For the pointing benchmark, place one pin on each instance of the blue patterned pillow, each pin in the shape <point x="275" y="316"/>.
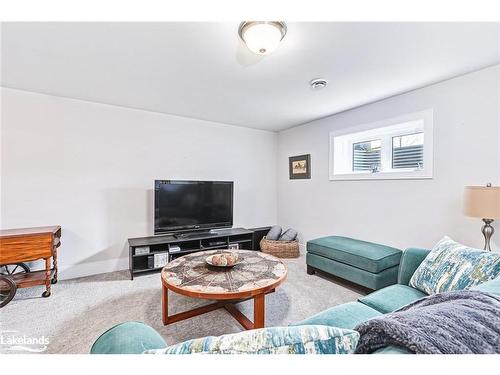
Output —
<point x="452" y="266"/>
<point x="275" y="340"/>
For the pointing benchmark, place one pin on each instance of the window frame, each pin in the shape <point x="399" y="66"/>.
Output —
<point x="422" y="121"/>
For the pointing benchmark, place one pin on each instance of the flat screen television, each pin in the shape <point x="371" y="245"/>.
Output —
<point x="192" y="205"/>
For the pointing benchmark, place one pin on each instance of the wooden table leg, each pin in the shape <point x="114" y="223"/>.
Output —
<point x="47" y="278"/>
<point x="258" y="310"/>
<point x="164" y="304"/>
<point x="239" y="316"/>
<point x="54" y="258"/>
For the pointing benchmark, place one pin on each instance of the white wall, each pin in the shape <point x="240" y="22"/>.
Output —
<point x="90" y="168"/>
<point x="401" y="213"/>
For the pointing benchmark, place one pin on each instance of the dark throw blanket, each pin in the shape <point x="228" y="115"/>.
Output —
<point x="445" y="323"/>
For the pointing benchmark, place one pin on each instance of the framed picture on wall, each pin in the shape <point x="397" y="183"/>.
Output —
<point x="299" y="167"/>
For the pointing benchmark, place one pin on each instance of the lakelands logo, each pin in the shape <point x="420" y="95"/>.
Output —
<point x="12" y="341"/>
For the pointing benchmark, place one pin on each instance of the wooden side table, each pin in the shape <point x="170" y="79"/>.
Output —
<point x="30" y="244"/>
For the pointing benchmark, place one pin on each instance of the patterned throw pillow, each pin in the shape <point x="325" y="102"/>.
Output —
<point x="275" y="340"/>
<point x="452" y="266"/>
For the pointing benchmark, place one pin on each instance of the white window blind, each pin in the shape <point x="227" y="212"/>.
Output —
<point x="408" y="151"/>
<point x="366" y="156"/>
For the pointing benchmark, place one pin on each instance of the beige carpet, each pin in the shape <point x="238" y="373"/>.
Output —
<point x="79" y="310"/>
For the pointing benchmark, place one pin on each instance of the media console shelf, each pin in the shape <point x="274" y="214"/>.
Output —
<point x="163" y="244"/>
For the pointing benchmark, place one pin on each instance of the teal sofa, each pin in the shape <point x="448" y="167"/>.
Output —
<point x="385" y="300"/>
<point x="379" y="302"/>
<point x="135" y="337"/>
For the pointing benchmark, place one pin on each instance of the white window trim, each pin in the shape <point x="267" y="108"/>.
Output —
<point x="426" y="173"/>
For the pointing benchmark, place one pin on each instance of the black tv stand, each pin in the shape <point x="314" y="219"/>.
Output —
<point x="189" y="242"/>
<point x="195" y="234"/>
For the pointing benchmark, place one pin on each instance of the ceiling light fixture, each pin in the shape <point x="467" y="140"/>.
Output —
<point x="262" y="37"/>
<point x="318" y="83"/>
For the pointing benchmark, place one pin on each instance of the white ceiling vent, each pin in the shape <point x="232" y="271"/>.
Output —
<point x="318" y="83"/>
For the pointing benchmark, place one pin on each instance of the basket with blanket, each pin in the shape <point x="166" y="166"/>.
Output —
<point x="281" y="244"/>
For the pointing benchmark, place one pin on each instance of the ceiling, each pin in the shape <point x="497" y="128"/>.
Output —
<point x="203" y="70"/>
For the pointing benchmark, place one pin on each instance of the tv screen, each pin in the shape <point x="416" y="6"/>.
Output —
<point x="186" y="205"/>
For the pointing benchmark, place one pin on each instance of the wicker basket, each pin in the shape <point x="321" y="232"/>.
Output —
<point x="280" y="249"/>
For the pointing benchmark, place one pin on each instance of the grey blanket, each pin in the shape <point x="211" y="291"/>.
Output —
<point x="444" y="323"/>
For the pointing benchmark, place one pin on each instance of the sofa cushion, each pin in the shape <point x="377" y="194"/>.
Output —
<point x="452" y="266"/>
<point x="492" y="286"/>
<point x="368" y="256"/>
<point x="392" y="350"/>
<point x="410" y="260"/>
<point x="347" y="315"/>
<point x="128" y="338"/>
<point x="309" y="339"/>
<point x="391" y="298"/>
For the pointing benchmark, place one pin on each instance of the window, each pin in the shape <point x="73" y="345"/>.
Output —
<point x="408" y="151"/>
<point x="390" y="149"/>
<point x="366" y="156"/>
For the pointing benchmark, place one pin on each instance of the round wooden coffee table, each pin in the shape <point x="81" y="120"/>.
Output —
<point x="256" y="275"/>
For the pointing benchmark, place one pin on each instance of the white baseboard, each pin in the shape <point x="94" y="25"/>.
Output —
<point x="92" y="268"/>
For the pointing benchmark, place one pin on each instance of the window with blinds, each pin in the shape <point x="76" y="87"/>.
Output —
<point x="366" y="156"/>
<point x="387" y="149"/>
<point x="408" y="151"/>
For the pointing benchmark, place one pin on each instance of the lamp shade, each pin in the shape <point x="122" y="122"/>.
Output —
<point x="482" y="201"/>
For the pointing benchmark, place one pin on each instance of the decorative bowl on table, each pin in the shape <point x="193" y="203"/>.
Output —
<point x="225" y="259"/>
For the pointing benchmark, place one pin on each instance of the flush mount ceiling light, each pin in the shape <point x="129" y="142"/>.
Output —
<point x="318" y="83"/>
<point x="262" y="37"/>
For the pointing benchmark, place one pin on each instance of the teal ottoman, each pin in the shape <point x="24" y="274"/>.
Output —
<point x="371" y="265"/>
